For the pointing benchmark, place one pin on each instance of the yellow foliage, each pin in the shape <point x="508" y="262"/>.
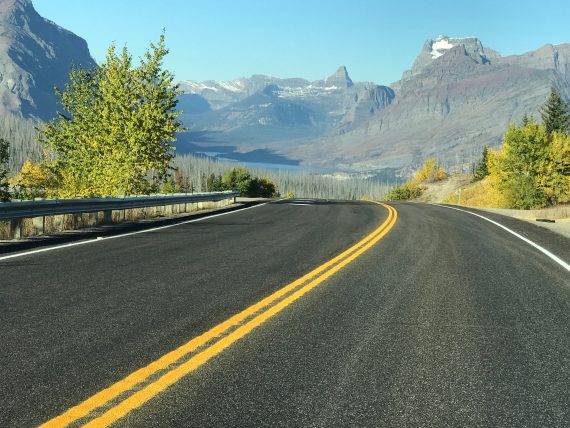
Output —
<point x="556" y="178"/>
<point x="481" y="194"/>
<point x="429" y="172"/>
<point x="31" y="175"/>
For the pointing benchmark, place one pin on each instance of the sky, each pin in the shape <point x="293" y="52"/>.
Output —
<point x="375" y="40"/>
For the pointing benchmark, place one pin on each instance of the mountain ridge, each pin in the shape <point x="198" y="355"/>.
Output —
<point x="458" y="96"/>
<point x="35" y="56"/>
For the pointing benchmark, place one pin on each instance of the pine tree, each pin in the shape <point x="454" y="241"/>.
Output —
<point x="554" y="113"/>
<point x="527" y="119"/>
<point x="482" y="169"/>
<point x="4" y="158"/>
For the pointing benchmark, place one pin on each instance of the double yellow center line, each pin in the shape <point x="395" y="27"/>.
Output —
<point x="111" y="403"/>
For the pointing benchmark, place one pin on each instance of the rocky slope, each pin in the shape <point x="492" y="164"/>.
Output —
<point x="35" y="55"/>
<point x="458" y="97"/>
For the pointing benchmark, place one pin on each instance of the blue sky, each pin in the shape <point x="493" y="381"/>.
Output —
<point x="376" y="40"/>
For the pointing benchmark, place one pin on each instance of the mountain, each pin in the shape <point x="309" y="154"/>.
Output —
<point x="457" y="97"/>
<point x="35" y="56"/>
<point x="264" y="112"/>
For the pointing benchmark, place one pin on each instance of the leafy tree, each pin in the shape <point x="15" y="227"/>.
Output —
<point x="4" y="158"/>
<point x="430" y="172"/>
<point x="482" y="169"/>
<point x="215" y="183"/>
<point x="405" y="191"/>
<point x="31" y="181"/>
<point x="262" y="188"/>
<point x="115" y="137"/>
<point x="521" y="192"/>
<point x="519" y="168"/>
<point x="238" y="179"/>
<point x="555" y="178"/>
<point x="554" y="113"/>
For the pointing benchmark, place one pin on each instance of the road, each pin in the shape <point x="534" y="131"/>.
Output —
<point x="435" y="318"/>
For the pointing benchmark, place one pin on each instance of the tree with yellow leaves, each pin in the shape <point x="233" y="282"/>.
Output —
<point x="31" y="181"/>
<point x="116" y="136"/>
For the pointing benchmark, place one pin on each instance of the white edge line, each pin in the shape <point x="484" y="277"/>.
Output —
<point x="122" y="235"/>
<point x="528" y="241"/>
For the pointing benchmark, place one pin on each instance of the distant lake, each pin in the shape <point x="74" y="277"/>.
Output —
<point x="267" y="165"/>
<point x="259" y="165"/>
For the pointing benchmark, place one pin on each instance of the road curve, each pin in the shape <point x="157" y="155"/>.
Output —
<point x="446" y="320"/>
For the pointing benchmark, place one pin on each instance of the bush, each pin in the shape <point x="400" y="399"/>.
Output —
<point x="481" y="194"/>
<point x="404" y="192"/>
<point x="240" y="180"/>
<point x="532" y="168"/>
<point x="237" y="179"/>
<point x="429" y="172"/>
<point x="521" y="192"/>
<point x="262" y="188"/>
<point x="31" y="182"/>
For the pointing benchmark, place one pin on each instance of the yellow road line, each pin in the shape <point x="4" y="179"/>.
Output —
<point x="167" y="379"/>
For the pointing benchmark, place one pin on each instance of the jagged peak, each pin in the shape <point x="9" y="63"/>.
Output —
<point x="340" y="77"/>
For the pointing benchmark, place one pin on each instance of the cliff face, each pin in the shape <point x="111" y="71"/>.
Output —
<point x="453" y="101"/>
<point x="35" y="56"/>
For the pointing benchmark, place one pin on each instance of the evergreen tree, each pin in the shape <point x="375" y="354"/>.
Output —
<point x="554" y="113"/>
<point x="115" y="137"/>
<point x="527" y="119"/>
<point x="4" y="158"/>
<point x="482" y="169"/>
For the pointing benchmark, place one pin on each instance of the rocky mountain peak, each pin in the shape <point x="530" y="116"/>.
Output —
<point x="434" y="49"/>
<point x="340" y="78"/>
<point x="35" y="56"/>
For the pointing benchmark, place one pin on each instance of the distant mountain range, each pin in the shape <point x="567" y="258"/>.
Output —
<point x="264" y="112"/>
<point x="457" y="97"/>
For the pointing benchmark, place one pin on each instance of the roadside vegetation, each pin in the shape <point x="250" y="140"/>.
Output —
<point x="116" y="136"/>
<point x="117" y="133"/>
<point x="4" y="158"/>
<point x="429" y="172"/>
<point x="530" y="170"/>
<point x="207" y="174"/>
<point x="532" y="167"/>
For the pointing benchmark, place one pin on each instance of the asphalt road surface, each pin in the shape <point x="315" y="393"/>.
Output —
<point x="434" y="318"/>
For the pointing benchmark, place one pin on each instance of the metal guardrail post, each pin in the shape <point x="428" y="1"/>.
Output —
<point x="28" y="218"/>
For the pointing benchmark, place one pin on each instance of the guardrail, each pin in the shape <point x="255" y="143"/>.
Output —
<point x="29" y="218"/>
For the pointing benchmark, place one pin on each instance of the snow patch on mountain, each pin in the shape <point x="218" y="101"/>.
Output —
<point x="441" y="44"/>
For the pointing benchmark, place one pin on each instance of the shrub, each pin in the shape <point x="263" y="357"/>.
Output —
<point x="31" y="182"/>
<point x="429" y="172"/>
<point x="404" y="192"/>
<point x="481" y="194"/>
<point x="262" y="188"/>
